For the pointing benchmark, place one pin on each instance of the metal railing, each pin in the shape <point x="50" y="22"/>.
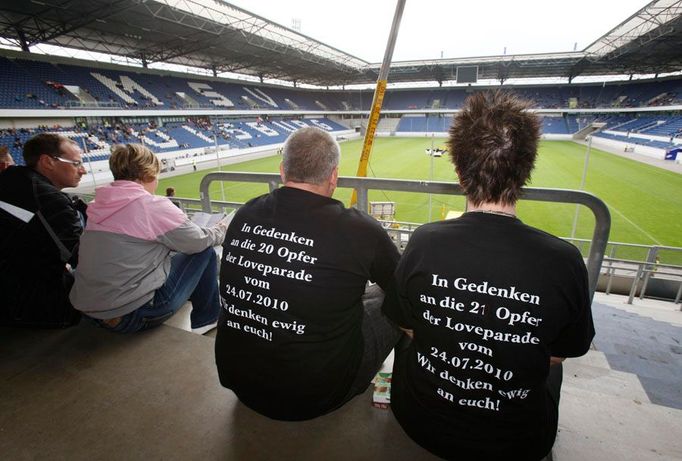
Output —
<point x="92" y="105"/>
<point x="601" y="213"/>
<point x="635" y="251"/>
<point x="644" y="271"/>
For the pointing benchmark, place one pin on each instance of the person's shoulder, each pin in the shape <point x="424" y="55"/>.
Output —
<point x="254" y="209"/>
<point x="161" y="205"/>
<point x="46" y="192"/>
<point x="254" y="203"/>
<point x="17" y="174"/>
<point x="357" y="218"/>
<point x="11" y="182"/>
<point x="433" y="229"/>
<point x="544" y="241"/>
<point x="26" y="174"/>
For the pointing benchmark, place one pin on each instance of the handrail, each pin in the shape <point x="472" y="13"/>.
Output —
<point x="624" y="244"/>
<point x="643" y="271"/>
<point x="599" y="209"/>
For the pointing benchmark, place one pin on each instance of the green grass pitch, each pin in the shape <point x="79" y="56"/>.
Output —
<point x="645" y="201"/>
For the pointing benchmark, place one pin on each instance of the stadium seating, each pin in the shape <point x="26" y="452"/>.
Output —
<point x="554" y="125"/>
<point x="614" y="121"/>
<point x="670" y="126"/>
<point x="424" y="123"/>
<point x="172" y="136"/>
<point x="24" y="85"/>
<point x="635" y="140"/>
<point x="37" y="84"/>
<point x="567" y="124"/>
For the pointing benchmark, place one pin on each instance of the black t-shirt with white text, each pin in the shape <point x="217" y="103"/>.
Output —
<point x="294" y="268"/>
<point x="490" y="300"/>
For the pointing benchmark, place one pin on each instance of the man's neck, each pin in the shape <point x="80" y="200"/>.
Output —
<point x="493" y="207"/>
<point x="319" y="189"/>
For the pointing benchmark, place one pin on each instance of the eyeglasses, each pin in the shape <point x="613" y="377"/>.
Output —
<point x="76" y="163"/>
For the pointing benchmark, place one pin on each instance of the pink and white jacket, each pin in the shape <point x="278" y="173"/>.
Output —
<point x="125" y="251"/>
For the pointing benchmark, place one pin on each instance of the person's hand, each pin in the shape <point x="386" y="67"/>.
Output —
<point x="409" y="333"/>
<point x="79" y="204"/>
<point x="223" y="224"/>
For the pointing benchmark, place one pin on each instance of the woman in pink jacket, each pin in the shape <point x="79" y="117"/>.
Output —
<point x="141" y="258"/>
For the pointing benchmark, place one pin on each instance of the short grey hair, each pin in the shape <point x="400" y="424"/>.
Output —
<point x="310" y="155"/>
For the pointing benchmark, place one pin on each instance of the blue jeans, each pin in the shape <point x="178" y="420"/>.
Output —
<point x="193" y="277"/>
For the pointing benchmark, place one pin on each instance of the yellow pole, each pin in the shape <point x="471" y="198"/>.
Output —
<point x="378" y="97"/>
<point x="371" y="128"/>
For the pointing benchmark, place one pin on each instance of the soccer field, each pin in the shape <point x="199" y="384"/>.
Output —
<point x="645" y="201"/>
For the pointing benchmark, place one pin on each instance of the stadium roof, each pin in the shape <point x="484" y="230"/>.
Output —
<point x="215" y="35"/>
<point x="198" y="33"/>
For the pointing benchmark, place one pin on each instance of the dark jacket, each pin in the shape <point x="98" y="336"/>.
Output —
<point x="34" y="281"/>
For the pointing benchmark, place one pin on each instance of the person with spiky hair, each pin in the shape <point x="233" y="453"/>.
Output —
<point x="492" y="305"/>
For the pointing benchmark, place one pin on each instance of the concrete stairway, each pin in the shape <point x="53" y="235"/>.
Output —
<point x="606" y="414"/>
<point x="85" y="393"/>
<point x="606" y="411"/>
<point x="624" y="400"/>
<point x="388" y="124"/>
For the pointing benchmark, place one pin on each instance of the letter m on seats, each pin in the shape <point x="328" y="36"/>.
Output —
<point x="125" y="87"/>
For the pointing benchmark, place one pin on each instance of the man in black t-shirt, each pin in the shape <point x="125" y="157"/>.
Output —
<point x="493" y="306"/>
<point x="294" y="338"/>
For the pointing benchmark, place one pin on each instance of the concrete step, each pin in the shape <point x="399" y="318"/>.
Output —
<point x="598" y="379"/>
<point x="607" y="414"/>
<point x="593" y="358"/>
<point x="663" y="391"/>
<point x="667" y="313"/>
<point x="84" y="393"/>
<point x="663" y="311"/>
<point x="594" y="425"/>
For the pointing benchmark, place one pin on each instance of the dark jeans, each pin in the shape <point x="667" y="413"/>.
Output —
<point x="379" y="334"/>
<point x="193" y="277"/>
<point x="554" y="380"/>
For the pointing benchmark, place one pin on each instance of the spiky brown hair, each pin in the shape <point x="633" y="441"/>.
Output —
<point x="493" y="145"/>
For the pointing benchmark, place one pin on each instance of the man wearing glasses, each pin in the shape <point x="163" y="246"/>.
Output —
<point x="39" y="232"/>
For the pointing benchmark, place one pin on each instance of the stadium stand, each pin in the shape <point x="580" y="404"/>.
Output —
<point x="554" y="125"/>
<point x="34" y="84"/>
<point x="37" y="84"/>
<point x="621" y="401"/>
<point x="424" y="123"/>
<point x="173" y="136"/>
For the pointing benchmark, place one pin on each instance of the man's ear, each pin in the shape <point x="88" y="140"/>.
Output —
<point x="333" y="179"/>
<point x="334" y="176"/>
<point x="281" y="172"/>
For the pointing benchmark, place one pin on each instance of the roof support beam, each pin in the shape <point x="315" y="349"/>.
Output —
<point x="22" y="41"/>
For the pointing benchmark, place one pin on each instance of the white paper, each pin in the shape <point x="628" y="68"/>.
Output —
<point x="202" y="219"/>
<point x="17" y="212"/>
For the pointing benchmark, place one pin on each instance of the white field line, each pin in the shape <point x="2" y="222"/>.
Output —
<point x="634" y="225"/>
<point x="233" y="186"/>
